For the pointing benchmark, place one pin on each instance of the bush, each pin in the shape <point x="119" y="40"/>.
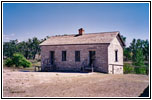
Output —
<point x="140" y="70"/>
<point x="8" y="62"/>
<point x="18" y="60"/>
<point x="26" y="63"/>
<point x="128" y="68"/>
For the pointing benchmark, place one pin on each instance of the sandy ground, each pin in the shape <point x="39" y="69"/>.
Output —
<point x="57" y="84"/>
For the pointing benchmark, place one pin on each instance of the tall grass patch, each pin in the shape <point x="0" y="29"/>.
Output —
<point x="131" y="69"/>
<point x="140" y="70"/>
<point x="128" y="68"/>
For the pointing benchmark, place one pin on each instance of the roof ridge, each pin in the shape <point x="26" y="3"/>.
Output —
<point x="85" y="33"/>
<point x="102" y="32"/>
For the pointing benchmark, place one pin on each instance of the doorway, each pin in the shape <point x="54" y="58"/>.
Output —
<point x="52" y="57"/>
<point x="91" y="57"/>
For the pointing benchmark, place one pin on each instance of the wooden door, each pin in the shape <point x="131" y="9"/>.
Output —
<point x="91" y="57"/>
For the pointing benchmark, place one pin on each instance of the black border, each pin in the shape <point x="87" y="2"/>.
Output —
<point x="78" y="97"/>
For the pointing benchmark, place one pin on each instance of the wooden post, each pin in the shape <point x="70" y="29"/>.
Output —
<point x="112" y="69"/>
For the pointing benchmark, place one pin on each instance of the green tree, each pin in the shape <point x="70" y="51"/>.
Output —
<point x="139" y="61"/>
<point x="127" y="50"/>
<point x="29" y="51"/>
<point x="127" y="54"/>
<point x="133" y="49"/>
<point x="9" y="48"/>
<point x="35" y="47"/>
<point x="23" y="48"/>
<point x="146" y="50"/>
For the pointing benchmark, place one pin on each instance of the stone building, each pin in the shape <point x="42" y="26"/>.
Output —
<point x="101" y="52"/>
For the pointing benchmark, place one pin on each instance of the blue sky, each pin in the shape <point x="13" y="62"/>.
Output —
<point x="26" y="20"/>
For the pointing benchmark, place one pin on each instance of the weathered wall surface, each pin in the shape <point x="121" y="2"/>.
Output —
<point x="115" y="45"/>
<point x="101" y="62"/>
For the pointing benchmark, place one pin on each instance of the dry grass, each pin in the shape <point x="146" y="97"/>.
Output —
<point x="52" y="84"/>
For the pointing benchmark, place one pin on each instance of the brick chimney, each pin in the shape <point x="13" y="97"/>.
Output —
<point x="81" y="31"/>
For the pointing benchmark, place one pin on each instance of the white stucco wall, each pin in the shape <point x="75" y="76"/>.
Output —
<point x="116" y="68"/>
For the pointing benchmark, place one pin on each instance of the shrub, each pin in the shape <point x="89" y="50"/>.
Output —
<point x="8" y="62"/>
<point x="140" y="70"/>
<point x="128" y="68"/>
<point x="26" y="63"/>
<point x="18" y="60"/>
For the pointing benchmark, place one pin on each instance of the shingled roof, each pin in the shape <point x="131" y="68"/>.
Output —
<point x="87" y="38"/>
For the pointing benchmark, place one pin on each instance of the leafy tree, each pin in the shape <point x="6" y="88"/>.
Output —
<point x="29" y="51"/>
<point x="127" y="54"/>
<point x="35" y="47"/>
<point x="29" y="48"/>
<point x="139" y="61"/>
<point x="133" y="49"/>
<point x="23" y="48"/>
<point x="143" y="45"/>
<point x="139" y="44"/>
<point x="127" y="50"/>
<point x="146" y="50"/>
<point x="9" y="48"/>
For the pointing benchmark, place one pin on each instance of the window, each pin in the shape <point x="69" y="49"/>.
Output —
<point x="116" y="55"/>
<point x="63" y="55"/>
<point x="77" y="55"/>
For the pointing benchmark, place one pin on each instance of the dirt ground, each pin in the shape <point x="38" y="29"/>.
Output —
<point x="59" y="84"/>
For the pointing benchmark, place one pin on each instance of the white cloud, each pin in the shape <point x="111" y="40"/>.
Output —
<point x="8" y="37"/>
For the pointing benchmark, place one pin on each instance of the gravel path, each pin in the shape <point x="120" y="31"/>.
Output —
<point x="53" y="84"/>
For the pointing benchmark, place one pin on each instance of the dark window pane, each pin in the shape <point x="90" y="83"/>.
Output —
<point x="116" y="55"/>
<point x="77" y="55"/>
<point x="52" y="57"/>
<point x="63" y="55"/>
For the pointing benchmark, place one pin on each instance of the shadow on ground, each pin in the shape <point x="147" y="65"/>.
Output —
<point x="55" y="71"/>
<point x="145" y="92"/>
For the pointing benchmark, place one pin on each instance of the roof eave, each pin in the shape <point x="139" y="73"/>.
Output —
<point x="121" y="40"/>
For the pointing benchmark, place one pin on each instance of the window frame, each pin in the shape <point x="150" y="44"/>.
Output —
<point x="77" y="56"/>
<point x="64" y="55"/>
<point x="116" y="55"/>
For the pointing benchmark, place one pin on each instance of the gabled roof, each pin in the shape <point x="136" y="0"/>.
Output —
<point x="87" y="38"/>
